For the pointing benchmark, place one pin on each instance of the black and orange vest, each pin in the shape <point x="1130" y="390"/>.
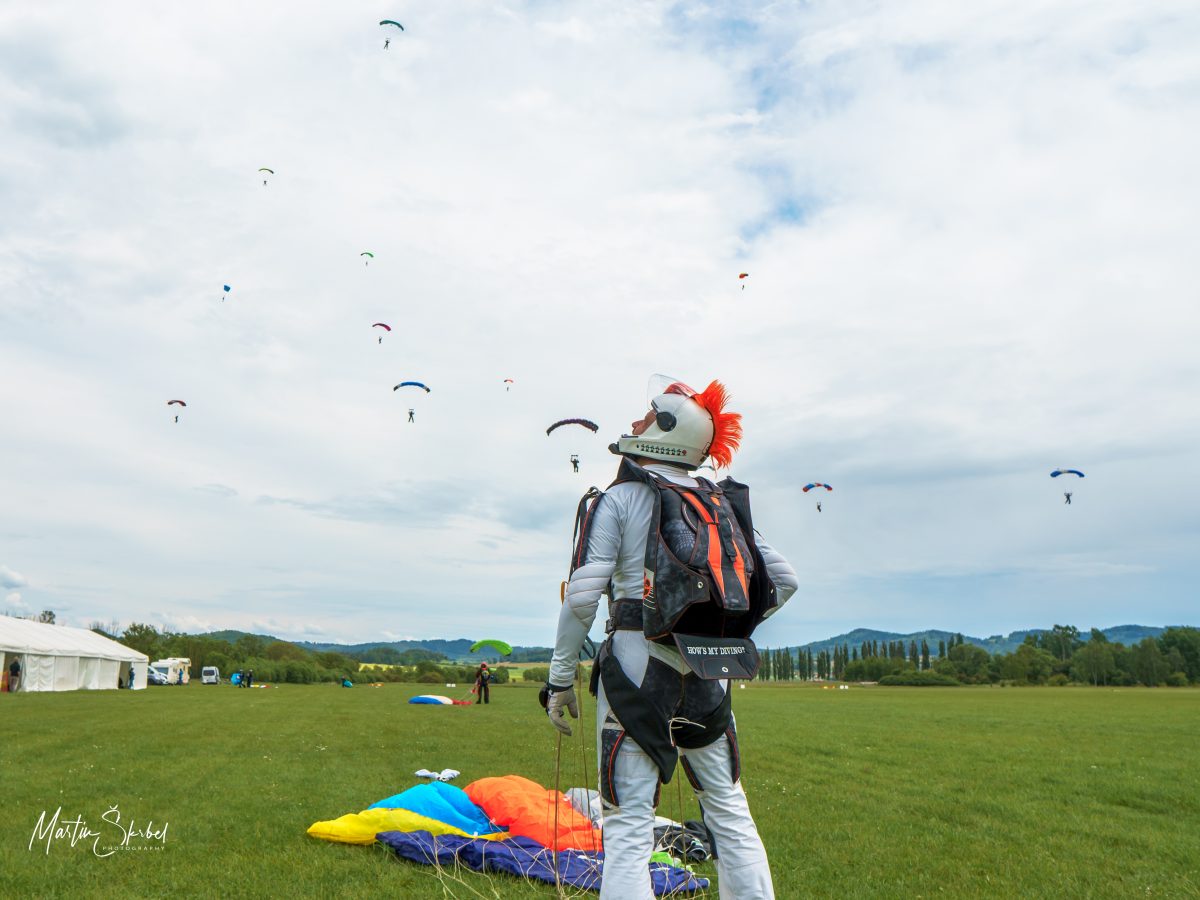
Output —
<point x="703" y="573"/>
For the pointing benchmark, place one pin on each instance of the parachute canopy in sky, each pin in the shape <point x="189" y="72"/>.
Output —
<point x="265" y="169"/>
<point x="1058" y="472"/>
<point x="382" y="325"/>
<point x="227" y="288"/>
<point x="499" y="646"/>
<point x="391" y="22"/>
<point x="180" y="402"/>
<point x="411" y="384"/>
<point x="589" y="425"/>
<point x="742" y="275"/>
<point x="816" y="484"/>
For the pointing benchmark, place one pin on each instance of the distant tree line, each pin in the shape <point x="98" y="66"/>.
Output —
<point x="1058" y="656"/>
<point x="282" y="661"/>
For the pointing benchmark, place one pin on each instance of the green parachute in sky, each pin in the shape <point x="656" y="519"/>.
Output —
<point x="499" y="646"/>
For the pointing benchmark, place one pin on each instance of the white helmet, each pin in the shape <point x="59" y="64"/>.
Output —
<point x="687" y="426"/>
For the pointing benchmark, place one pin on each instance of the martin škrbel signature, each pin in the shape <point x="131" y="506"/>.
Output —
<point x="113" y="835"/>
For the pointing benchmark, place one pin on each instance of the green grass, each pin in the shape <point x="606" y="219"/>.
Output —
<point x="871" y="792"/>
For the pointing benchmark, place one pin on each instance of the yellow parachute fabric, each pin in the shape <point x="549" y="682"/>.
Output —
<point x="361" y="828"/>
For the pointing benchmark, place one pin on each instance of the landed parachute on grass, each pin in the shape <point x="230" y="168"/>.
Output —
<point x="586" y="423"/>
<point x="437" y="700"/>
<point x="505" y="824"/>
<point x="416" y="384"/>
<point x="499" y="646"/>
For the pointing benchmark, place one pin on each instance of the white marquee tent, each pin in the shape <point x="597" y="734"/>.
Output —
<point x="58" y="658"/>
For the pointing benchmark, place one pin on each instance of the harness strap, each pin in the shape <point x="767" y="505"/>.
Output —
<point x="624" y="615"/>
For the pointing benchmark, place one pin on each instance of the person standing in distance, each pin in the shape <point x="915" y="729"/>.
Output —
<point x="688" y="579"/>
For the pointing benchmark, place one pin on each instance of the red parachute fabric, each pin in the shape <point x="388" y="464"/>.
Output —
<point x="527" y="809"/>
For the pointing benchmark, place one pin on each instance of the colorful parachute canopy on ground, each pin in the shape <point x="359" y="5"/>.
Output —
<point x="432" y="700"/>
<point x="383" y="325"/>
<point x="499" y="646"/>
<point x="361" y="828"/>
<point x="172" y="402"/>
<point x="816" y="484"/>
<point x="443" y="802"/>
<point x="527" y="809"/>
<point x="526" y="858"/>
<point x="1058" y="472"/>
<point x="391" y="22"/>
<point x="411" y="384"/>
<point x="437" y="823"/>
<point x="586" y="423"/>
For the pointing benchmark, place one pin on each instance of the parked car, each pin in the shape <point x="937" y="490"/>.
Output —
<point x="154" y="676"/>
<point x="210" y="675"/>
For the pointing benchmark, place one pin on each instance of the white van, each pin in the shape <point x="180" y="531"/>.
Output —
<point x="210" y="675"/>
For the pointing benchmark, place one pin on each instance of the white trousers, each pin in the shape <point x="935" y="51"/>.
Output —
<point x="742" y="869"/>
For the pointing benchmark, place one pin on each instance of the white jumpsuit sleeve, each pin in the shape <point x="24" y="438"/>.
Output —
<point x="584" y="589"/>
<point x="782" y="575"/>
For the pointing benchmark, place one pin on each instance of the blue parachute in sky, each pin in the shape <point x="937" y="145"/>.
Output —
<point x="1058" y="472"/>
<point x="816" y="484"/>
<point x="416" y="384"/>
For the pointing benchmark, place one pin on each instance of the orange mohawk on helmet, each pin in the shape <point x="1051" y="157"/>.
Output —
<point x="727" y="426"/>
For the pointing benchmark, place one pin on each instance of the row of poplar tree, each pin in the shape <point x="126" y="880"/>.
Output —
<point x="1057" y="656"/>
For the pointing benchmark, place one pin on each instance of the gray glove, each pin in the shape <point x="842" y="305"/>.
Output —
<point x="558" y="704"/>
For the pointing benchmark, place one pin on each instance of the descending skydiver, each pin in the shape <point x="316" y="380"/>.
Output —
<point x="1067" y="494"/>
<point x="818" y="506"/>
<point x="658" y="700"/>
<point x="386" y="43"/>
<point x="410" y="416"/>
<point x="575" y="462"/>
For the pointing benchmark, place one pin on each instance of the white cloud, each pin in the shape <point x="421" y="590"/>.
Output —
<point x="15" y="604"/>
<point x="11" y="579"/>
<point x="969" y="234"/>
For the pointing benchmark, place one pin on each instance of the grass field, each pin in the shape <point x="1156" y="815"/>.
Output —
<point x="870" y="792"/>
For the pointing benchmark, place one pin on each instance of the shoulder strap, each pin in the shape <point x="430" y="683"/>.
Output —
<point x="583" y="520"/>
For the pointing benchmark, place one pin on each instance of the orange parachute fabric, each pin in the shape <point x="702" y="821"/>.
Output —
<point x="528" y="810"/>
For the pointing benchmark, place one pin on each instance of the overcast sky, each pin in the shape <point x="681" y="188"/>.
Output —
<point x="971" y="232"/>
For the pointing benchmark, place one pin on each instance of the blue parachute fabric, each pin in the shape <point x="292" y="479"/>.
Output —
<point x="526" y="858"/>
<point x="427" y="699"/>
<point x="443" y="802"/>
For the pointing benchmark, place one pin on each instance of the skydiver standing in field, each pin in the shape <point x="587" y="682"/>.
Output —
<point x="661" y="695"/>
<point x="483" y="678"/>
